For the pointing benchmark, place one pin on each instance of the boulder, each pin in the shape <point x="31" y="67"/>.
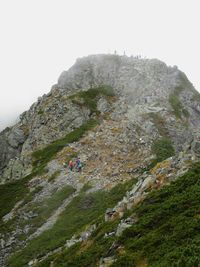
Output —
<point x="121" y="227"/>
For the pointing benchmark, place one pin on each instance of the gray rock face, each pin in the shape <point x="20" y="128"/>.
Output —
<point x="146" y="86"/>
<point x="127" y="75"/>
<point x="49" y="119"/>
<point x="11" y="141"/>
<point x="16" y="137"/>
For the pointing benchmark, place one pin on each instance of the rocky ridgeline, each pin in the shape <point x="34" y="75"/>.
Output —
<point x="162" y="174"/>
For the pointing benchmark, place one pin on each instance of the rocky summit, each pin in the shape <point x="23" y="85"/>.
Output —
<point x="130" y="128"/>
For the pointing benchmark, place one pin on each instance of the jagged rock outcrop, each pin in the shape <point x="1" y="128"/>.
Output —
<point x="49" y="119"/>
<point x="11" y="141"/>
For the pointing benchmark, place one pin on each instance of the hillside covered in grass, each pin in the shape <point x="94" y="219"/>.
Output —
<point x="167" y="232"/>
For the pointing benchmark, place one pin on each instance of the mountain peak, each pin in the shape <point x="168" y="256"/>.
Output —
<point x="132" y="76"/>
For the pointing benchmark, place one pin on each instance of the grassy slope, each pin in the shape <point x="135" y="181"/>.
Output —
<point x="86" y="254"/>
<point x="11" y="193"/>
<point x="167" y="233"/>
<point x="163" y="149"/>
<point x="84" y="209"/>
<point x="174" y="99"/>
<point x="45" y="208"/>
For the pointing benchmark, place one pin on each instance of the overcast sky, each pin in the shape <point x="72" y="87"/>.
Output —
<point x="41" y="38"/>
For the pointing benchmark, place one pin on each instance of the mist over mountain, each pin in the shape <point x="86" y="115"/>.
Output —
<point x="21" y="94"/>
<point x="104" y="169"/>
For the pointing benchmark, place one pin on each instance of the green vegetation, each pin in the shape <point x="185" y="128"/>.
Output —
<point x="175" y="102"/>
<point x="163" y="149"/>
<point x="45" y="208"/>
<point x="86" y="187"/>
<point x="185" y="83"/>
<point x="166" y="234"/>
<point x="88" y="254"/>
<point x="10" y="194"/>
<point x="53" y="177"/>
<point x="43" y="156"/>
<point x="177" y="106"/>
<point x="40" y="112"/>
<point x="90" y="97"/>
<point x="84" y="209"/>
<point x="29" y="197"/>
<point x="168" y="230"/>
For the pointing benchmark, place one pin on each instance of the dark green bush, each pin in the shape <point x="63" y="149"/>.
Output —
<point x="174" y="100"/>
<point x="176" y="105"/>
<point x="168" y="230"/>
<point x="10" y="194"/>
<point x="90" y="97"/>
<point x="163" y="149"/>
